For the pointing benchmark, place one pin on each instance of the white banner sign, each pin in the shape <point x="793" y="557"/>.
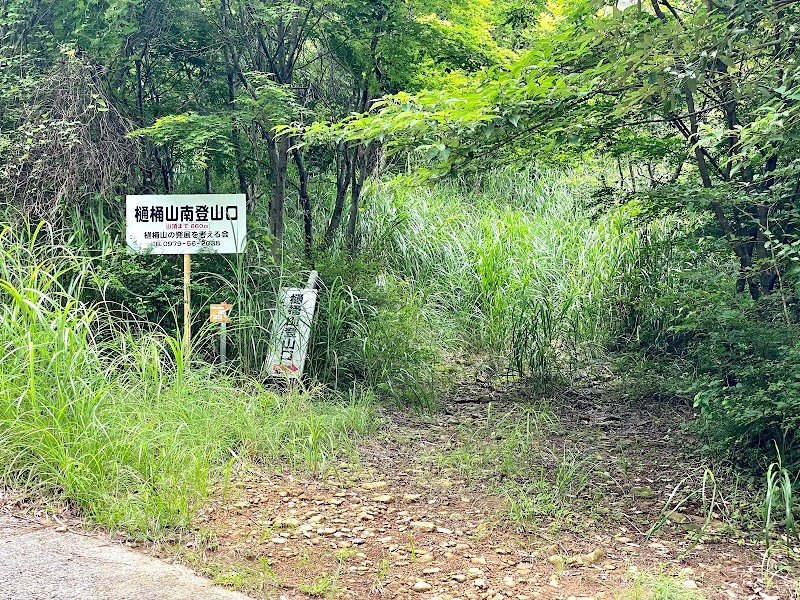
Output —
<point x="186" y="224"/>
<point x="291" y="331"/>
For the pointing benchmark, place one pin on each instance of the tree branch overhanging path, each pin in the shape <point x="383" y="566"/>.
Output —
<point x="637" y="69"/>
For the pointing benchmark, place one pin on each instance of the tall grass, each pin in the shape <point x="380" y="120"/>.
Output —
<point x="516" y="266"/>
<point x="120" y="425"/>
<point x="372" y="331"/>
<point x="779" y="498"/>
<point x="250" y="281"/>
<point x="520" y="268"/>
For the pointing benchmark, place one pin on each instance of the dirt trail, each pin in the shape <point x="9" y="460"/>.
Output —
<point x="428" y="512"/>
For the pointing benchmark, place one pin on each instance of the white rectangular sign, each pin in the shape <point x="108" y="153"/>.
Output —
<point x="186" y="224"/>
<point x="291" y="331"/>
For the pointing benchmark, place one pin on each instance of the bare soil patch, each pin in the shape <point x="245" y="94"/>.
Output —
<point x="428" y="512"/>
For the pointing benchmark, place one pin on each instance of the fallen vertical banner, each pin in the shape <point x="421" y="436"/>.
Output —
<point x="186" y="224"/>
<point x="291" y="330"/>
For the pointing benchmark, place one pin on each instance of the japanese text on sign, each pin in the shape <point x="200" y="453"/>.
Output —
<point x="186" y="224"/>
<point x="292" y="330"/>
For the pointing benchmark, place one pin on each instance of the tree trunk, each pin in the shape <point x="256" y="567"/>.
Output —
<point x="237" y="147"/>
<point x="360" y="163"/>
<point x="305" y="203"/>
<point x="740" y="248"/>
<point x="344" y="175"/>
<point x="278" y="149"/>
<point x="359" y="176"/>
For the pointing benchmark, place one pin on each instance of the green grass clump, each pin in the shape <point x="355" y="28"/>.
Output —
<point x="121" y="426"/>
<point x="779" y="501"/>
<point x="509" y="456"/>
<point x="651" y="586"/>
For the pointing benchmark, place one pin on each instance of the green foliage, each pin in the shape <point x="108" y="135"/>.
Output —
<point x="194" y="139"/>
<point x="735" y="356"/>
<point x="688" y="117"/>
<point x="747" y="386"/>
<point x="650" y="84"/>
<point x="520" y="270"/>
<point x="147" y="286"/>
<point x="779" y="497"/>
<point x="373" y="331"/>
<point x="126" y="428"/>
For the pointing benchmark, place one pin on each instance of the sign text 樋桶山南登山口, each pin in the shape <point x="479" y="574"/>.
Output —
<point x="186" y="224"/>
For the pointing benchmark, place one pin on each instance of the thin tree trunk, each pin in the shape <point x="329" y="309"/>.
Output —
<point x="359" y="176"/>
<point x="633" y="176"/>
<point x="677" y="172"/>
<point x="305" y="203"/>
<point x="760" y="249"/>
<point x="360" y="161"/>
<point x="139" y="93"/>
<point x="278" y="149"/>
<point x="739" y="248"/>
<point x="237" y="147"/>
<point x="621" y="174"/>
<point x="344" y="175"/>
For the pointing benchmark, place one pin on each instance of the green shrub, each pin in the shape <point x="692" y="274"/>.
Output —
<point x="372" y="329"/>
<point x="748" y="380"/>
<point x="149" y="287"/>
<point x="738" y="358"/>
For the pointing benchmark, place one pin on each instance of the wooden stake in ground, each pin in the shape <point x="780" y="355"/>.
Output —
<point x="187" y="298"/>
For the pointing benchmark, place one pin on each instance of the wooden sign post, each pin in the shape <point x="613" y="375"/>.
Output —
<point x="187" y="302"/>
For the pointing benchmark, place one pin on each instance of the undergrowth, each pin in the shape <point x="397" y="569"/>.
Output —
<point x="124" y="426"/>
<point x="660" y="586"/>
<point x="520" y="269"/>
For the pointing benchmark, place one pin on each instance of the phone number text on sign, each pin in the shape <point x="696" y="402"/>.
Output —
<point x="186" y="224"/>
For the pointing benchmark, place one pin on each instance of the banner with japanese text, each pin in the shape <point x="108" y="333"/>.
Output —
<point x="292" y="330"/>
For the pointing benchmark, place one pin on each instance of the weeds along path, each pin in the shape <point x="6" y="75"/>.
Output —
<point x="493" y="497"/>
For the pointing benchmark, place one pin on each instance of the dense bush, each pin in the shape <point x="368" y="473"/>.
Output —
<point x="373" y="329"/>
<point x="737" y="358"/>
<point x="149" y="287"/>
<point x="748" y="377"/>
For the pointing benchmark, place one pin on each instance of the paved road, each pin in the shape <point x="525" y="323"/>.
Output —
<point x="38" y="563"/>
